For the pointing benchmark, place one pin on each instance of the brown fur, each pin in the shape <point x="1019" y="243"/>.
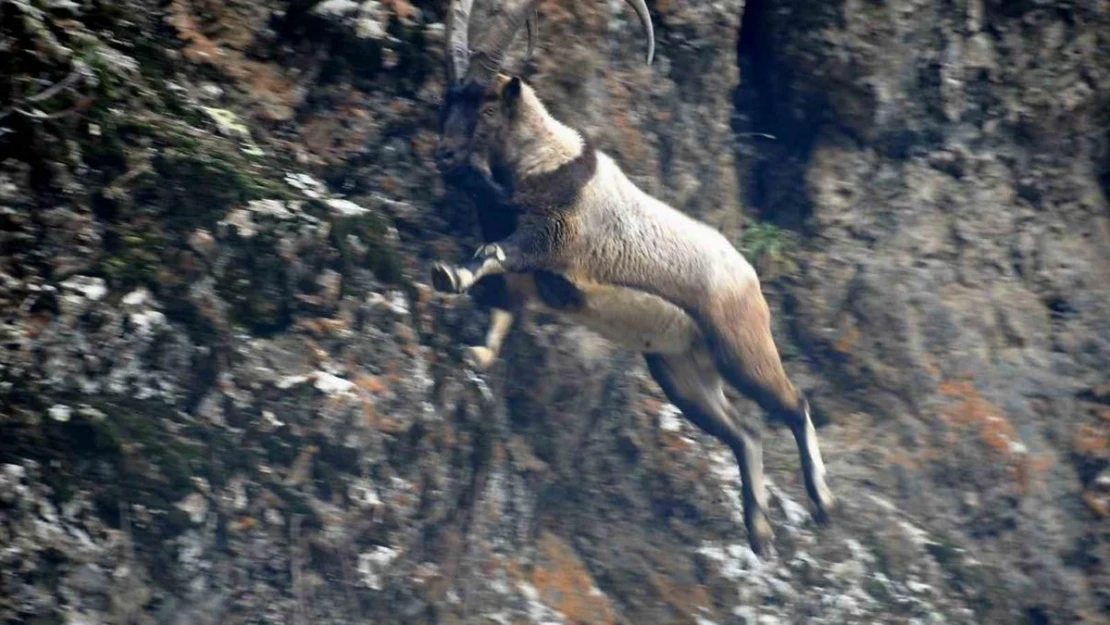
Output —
<point x="547" y="198"/>
<point x="646" y="275"/>
<point x="740" y="337"/>
<point x="556" y="191"/>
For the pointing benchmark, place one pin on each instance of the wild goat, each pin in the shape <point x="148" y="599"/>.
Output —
<point x="623" y="263"/>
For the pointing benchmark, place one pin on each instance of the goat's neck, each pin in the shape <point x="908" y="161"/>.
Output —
<point x="540" y="144"/>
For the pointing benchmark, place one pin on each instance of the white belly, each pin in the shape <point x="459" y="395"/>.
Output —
<point x="634" y="320"/>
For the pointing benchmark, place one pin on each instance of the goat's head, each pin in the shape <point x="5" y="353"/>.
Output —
<point x="480" y="98"/>
<point x="475" y="118"/>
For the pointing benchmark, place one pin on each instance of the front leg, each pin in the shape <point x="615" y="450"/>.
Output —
<point x="457" y="279"/>
<point x="505" y="256"/>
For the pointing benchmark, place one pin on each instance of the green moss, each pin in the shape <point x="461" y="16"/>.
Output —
<point x="136" y="260"/>
<point x="148" y="463"/>
<point x="769" y="248"/>
<point x="192" y="180"/>
<point x="109" y="85"/>
<point x="199" y="183"/>
<point x="194" y="174"/>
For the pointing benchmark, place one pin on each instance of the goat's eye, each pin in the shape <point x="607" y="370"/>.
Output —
<point x="488" y="112"/>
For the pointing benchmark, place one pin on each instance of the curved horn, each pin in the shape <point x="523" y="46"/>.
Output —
<point x="640" y="7"/>
<point x="457" y="39"/>
<point x="489" y="52"/>
<point x="532" y="25"/>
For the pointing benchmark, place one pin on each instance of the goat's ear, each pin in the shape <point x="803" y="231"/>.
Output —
<point x="511" y="93"/>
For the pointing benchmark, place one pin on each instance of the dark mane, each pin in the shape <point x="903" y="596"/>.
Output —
<point x="556" y="190"/>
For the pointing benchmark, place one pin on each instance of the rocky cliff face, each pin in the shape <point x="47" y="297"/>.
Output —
<point x="228" y="397"/>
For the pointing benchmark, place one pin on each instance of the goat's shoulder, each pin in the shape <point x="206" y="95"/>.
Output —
<point x="557" y="191"/>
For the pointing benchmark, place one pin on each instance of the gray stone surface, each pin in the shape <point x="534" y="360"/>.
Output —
<point x="228" y="397"/>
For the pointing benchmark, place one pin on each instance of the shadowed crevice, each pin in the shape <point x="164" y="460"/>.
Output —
<point x="776" y="122"/>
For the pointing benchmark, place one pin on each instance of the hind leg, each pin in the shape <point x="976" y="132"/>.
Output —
<point x="813" y="467"/>
<point x="738" y="328"/>
<point x="696" y="389"/>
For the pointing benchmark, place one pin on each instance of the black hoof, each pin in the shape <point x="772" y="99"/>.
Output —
<point x="756" y="547"/>
<point x="823" y="514"/>
<point x="761" y="538"/>
<point x="764" y="549"/>
<point x="445" y="279"/>
<point x="821" y="517"/>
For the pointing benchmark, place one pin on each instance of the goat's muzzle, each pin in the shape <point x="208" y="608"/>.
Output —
<point x="448" y="157"/>
<point x="453" y="146"/>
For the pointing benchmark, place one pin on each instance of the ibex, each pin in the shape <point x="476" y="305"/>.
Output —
<point x="638" y="271"/>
